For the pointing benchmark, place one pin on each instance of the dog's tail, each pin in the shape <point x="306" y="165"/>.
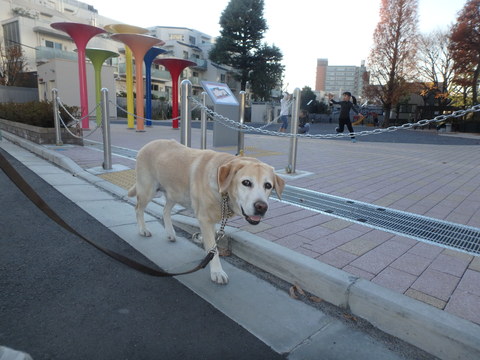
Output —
<point x="132" y="191"/>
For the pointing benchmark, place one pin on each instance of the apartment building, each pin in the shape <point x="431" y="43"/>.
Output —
<point x="27" y="23"/>
<point x="337" y="79"/>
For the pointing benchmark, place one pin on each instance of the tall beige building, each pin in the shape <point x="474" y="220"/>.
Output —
<point x="337" y="79"/>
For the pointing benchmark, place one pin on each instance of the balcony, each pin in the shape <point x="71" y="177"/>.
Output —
<point x="201" y="63"/>
<point x="43" y="54"/>
<point x="156" y="74"/>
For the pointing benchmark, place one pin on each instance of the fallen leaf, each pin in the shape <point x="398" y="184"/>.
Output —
<point x="299" y="289"/>
<point x="292" y="292"/>
<point x="315" y="299"/>
<point x="350" y="317"/>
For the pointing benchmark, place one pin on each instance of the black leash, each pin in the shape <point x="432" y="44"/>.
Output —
<point x="20" y="182"/>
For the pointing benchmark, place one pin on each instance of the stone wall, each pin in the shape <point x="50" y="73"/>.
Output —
<point x="40" y="135"/>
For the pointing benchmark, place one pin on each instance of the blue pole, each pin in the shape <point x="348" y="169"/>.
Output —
<point x="148" y="59"/>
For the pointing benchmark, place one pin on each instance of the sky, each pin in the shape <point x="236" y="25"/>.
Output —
<point x="304" y="30"/>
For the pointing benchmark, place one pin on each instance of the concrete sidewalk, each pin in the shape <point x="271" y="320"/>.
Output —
<point x="350" y="265"/>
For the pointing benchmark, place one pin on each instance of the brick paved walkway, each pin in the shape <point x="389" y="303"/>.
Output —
<point x="434" y="179"/>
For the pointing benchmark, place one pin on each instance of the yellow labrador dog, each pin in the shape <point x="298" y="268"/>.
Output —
<point x="197" y="179"/>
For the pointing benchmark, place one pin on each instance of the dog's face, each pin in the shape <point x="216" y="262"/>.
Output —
<point x="249" y="183"/>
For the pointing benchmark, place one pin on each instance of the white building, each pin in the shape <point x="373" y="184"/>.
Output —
<point x="336" y="79"/>
<point x="27" y="23"/>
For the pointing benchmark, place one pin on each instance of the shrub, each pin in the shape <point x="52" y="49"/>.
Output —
<point x="35" y="113"/>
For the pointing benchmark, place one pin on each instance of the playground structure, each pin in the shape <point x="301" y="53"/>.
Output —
<point x="127" y="29"/>
<point x="148" y="59"/>
<point x="81" y="34"/>
<point x="139" y="44"/>
<point x="175" y="67"/>
<point x="98" y="57"/>
<point x="144" y="50"/>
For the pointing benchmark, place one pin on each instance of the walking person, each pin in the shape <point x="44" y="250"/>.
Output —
<point x="348" y="103"/>
<point x="284" y="111"/>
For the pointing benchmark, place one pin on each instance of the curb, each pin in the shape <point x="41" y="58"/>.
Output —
<point x="435" y="331"/>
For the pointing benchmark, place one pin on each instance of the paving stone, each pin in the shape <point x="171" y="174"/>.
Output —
<point x="475" y="264"/>
<point x="337" y="224"/>
<point x="449" y="265"/>
<point x="458" y="254"/>
<point x="373" y="262"/>
<point x="293" y="241"/>
<point x="393" y="248"/>
<point x="394" y="279"/>
<point x="426" y="250"/>
<point x="337" y="258"/>
<point x="358" y="272"/>
<point x="431" y="300"/>
<point x="465" y="305"/>
<point x="334" y="240"/>
<point x="411" y="263"/>
<point x="436" y="284"/>
<point x="470" y="282"/>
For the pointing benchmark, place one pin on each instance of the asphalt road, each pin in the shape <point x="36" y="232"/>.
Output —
<point x="61" y="298"/>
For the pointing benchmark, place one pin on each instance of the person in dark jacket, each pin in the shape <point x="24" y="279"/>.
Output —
<point x="303" y="122"/>
<point x="349" y="103"/>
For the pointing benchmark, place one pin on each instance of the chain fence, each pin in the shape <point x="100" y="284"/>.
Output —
<point x="75" y="122"/>
<point x="139" y="117"/>
<point x="235" y="125"/>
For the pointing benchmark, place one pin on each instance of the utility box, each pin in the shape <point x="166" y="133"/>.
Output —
<point x="225" y="104"/>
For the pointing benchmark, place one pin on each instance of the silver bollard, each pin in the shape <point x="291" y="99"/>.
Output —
<point x="107" y="147"/>
<point x="186" y="114"/>
<point x="56" y="118"/>
<point x="292" y="159"/>
<point x="203" y="122"/>
<point x="241" y="137"/>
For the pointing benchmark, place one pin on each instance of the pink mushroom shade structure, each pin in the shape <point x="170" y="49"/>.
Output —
<point x="175" y="67"/>
<point x="81" y="35"/>
<point x="139" y="44"/>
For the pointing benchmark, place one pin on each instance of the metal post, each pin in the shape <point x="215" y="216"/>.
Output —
<point x="203" y="122"/>
<point x="292" y="159"/>
<point x="186" y="114"/>
<point x="56" y="118"/>
<point x="241" y="138"/>
<point x="107" y="148"/>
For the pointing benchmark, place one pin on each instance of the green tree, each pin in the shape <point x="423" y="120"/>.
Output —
<point x="267" y="71"/>
<point x="240" y="46"/>
<point x="308" y="97"/>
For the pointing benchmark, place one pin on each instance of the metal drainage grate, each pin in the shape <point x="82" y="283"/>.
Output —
<point x="422" y="228"/>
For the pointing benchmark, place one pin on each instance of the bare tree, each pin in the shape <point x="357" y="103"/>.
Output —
<point x="436" y="63"/>
<point x="391" y="63"/>
<point x="465" y="48"/>
<point x="12" y="65"/>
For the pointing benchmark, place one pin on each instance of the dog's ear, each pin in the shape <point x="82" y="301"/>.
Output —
<point x="279" y="185"/>
<point x="225" y="175"/>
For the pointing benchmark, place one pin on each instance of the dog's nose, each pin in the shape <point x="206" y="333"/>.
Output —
<point x="261" y="207"/>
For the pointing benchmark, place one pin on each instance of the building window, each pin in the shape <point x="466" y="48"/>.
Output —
<point x="11" y="34"/>
<point x="195" y="74"/>
<point x="185" y="54"/>
<point x="192" y="40"/>
<point x="53" y="45"/>
<point x="222" y="78"/>
<point x="154" y="87"/>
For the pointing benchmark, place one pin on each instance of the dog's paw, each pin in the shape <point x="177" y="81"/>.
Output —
<point x="171" y="238"/>
<point x="145" y="233"/>
<point x="219" y="277"/>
